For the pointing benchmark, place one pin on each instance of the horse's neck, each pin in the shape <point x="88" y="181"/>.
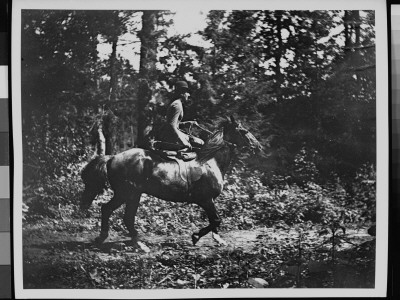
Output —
<point x="223" y="158"/>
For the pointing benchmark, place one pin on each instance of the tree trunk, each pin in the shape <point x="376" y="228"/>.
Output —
<point x="278" y="55"/>
<point x="347" y="31"/>
<point x="144" y="96"/>
<point x="101" y="142"/>
<point x="108" y="126"/>
<point x="113" y="75"/>
<point x="109" y="134"/>
<point x="357" y="25"/>
<point x="352" y="29"/>
<point x="147" y="74"/>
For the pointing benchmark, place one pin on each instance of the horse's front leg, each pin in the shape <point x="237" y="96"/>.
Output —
<point x="106" y="211"/>
<point x="214" y="220"/>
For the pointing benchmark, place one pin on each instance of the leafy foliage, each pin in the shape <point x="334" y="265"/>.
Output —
<point x="309" y="233"/>
<point x="53" y="196"/>
<point x="292" y="76"/>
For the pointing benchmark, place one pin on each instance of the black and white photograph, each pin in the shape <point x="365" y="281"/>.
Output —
<point x="192" y="149"/>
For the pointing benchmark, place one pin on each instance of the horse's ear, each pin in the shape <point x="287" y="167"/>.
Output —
<point x="232" y="119"/>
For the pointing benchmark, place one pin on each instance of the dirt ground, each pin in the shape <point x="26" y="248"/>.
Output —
<point x="54" y="249"/>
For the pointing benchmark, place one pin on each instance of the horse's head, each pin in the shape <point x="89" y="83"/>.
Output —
<point x="236" y="134"/>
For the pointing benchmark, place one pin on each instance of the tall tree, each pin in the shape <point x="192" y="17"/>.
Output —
<point x="111" y="25"/>
<point x="147" y="70"/>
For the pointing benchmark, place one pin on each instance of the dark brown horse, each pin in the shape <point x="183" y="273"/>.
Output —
<point x="138" y="171"/>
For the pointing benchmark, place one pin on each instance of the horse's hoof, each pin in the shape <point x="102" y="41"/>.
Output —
<point x="218" y="239"/>
<point x="195" y="238"/>
<point x="100" y="240"/>
<point x="143" y="247"/>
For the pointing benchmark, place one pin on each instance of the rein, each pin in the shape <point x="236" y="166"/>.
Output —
<point x="204" y="129"/>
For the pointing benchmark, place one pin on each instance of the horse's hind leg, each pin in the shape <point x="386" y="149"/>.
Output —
<point x="106" y="211"/>
<point x="214" y="220"/>
<point x="132" y="205"/>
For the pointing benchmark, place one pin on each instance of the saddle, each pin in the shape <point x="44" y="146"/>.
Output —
<point x="166" y="151"/>
<point x="181" y="157"/>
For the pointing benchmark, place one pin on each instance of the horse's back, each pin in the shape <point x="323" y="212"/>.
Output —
<point x="135" y="162"/>
<point x="127" y="156"/>
<point x="122" y="166"/>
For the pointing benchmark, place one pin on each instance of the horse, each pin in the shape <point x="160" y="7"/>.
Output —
<point x="136" y="171"/>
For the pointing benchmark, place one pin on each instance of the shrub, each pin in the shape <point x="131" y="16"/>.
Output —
<point x="46" y="195"/>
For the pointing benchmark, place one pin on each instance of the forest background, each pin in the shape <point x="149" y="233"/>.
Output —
<point x="303" y="82"/>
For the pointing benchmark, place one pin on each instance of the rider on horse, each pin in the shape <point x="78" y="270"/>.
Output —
<point x="170" y="135"/>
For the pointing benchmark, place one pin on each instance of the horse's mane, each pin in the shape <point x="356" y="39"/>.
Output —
<point x="214" y="143"/>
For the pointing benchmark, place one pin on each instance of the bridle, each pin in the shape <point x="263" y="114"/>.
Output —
<point x="242" y="131"/>
<point x="247" y="136"/>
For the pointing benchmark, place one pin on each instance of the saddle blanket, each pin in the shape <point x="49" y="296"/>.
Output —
<point x="188" y="174"/>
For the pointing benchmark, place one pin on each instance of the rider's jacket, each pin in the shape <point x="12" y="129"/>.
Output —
<point x="170" y="133"/>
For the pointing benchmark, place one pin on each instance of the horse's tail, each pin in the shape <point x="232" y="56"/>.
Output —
<point x="94" y="176"/>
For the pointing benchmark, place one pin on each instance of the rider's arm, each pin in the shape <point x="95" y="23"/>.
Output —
<point x="175" y="113"/>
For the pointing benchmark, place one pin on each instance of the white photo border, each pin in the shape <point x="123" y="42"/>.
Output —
<point x="382" y="199"/>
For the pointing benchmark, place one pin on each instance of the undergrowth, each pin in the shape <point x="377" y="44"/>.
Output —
<point x="308" y="246"/>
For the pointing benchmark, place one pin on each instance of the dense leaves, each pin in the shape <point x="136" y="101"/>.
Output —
<point x="303" y="80"/>
<point x="282" y="237"/>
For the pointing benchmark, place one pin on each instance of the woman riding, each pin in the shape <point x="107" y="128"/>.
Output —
<point x="171" y="136"/>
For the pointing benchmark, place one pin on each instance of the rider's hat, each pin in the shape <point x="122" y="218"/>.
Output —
<point x="181" y="85"/>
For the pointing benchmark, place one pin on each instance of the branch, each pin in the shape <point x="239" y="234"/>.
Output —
<point x="353" y="22"/>
<point x="362" y="68"/>
<point x="360" y="47"/>
<point x="128" y="43"/>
